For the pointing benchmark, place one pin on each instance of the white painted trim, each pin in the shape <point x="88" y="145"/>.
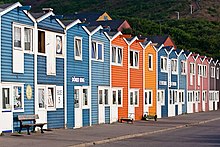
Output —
<point x="116" y="35"/>
<point x="72" y="24"/>
<point x="9" y="8"/>
<point x="134" y="39"/>
<point x="0" y="48"/>
<point x="96" y="30"/>
<point x="90" y="77"/>
<point x="77" y="57"/>
<point x="65" y="78"/>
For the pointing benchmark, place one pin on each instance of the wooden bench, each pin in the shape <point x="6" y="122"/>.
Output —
<point x="31" y="119"/>
<point x="127" y="119"/>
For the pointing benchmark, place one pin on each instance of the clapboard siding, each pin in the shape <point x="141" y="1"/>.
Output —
<point x="107" y="114"/>
<point x="86" y="117"/>
<point x="55" y="119"/>
<point x="163" y="76"/>
<point x="50" y="24"/>
<point x="182" y="82"/>
<point x="100" y="75"/>
<point x="7" y="74"/>
<point x="120" y="75"/>
<point x="78" y="68"/>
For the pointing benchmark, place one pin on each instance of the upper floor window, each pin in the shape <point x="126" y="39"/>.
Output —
<point x="200" y="70"/>
<point x="183" y="67"/>
<point x="28" y="33"/>
<point x="97" y="51"/>
<point x="192" y="68"/>
<point x="117" y="55"/>
<point x="217" y="73"/>
<point x="17" y="37"/>
<point x="78" y="48"/>
<point x="150" y="61"/>
<point x="134" y="58"/>
<point x="59" y="45"/>
<point x="212" y="71"/>
<point x="41" y="42"/>
<point x="174" y="65"/>
<point x="204" y="70"/>
<point x="163" y="63"/>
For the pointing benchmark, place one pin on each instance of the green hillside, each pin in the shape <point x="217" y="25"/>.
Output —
<point x="198" y="32"/>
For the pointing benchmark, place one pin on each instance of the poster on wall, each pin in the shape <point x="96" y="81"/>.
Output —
<point x="59" y="96"/>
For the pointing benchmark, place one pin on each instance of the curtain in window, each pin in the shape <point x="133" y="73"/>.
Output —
<point x="78" y="47"/>
<point x="119" y="55"/>
<point x="17" y="37"/>
<point x="93" y="50"/>
<point x="27" y="38"/>
<point x="41" y="98"/>
<point x="50" y="97"/>
<point x="113" y="54"/>
<point x="136" y="59"/>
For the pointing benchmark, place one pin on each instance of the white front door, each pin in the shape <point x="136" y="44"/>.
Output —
<point x="132" y="103"/>
<point x="190" y="102"/>
<point x="41" y="107"/>
<point x="180" y="102"/>
<point x="103" y="94"/>
<point x="203" y="100"/>
<point x="196" y="102"/>
<point x="171" y="103"/>
<point x="116" y="102"/>
<point x="146" y="101"/>
<point x="6" y="114"/>
<point x="160" y="102"/>
<point x="81" y="100"/>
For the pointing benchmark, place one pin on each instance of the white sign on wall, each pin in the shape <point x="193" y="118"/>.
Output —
<point x="78" y="79"/>
<point x="162" y="82"/>
<point x="173" y="83"/>
<point x="59" y="96"/>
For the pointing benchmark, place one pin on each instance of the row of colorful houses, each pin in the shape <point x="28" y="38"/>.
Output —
<point x="73" y="74"/>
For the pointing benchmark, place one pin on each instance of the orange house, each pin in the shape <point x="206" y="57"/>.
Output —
<point x="150" y="78"/>
<point x="135" y="76"/>
<point x="119" y="76"/>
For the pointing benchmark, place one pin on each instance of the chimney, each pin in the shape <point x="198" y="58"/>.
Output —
<point x="46" y="10"/>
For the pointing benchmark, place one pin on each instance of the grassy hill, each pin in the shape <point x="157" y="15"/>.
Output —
<point x="198" y="32"/>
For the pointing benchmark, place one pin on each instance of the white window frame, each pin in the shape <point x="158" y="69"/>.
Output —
<point x="150" y="66"/>
<point x="51" y="108"/>
<point x="204" y="71"/>
<point x="161" y="97"/>
<point x="45" y="35"/>
<point x="212" y="72"/>
<point x="134" y="61"/>
<point x="204" y="96"/>
<point x="183" y="67"/>
<point x="11" y="97"/>
<point x="200" y="70"/>
<point x="148" y="97"/>
<point x="174" y="67"/>
<point x="217" y="73"/>
<point x="103" y="88"/>
<point x="134" y="91"/>
<point x="192" y="68"/>
<point x="165" y="65"/>
<point x="117" y="48"/>
<point x="62" y="46"/>
<point x="97" y="43"/>
<point x="117" y="91"/>
<point x="31" y="51"/>
<point x="75" y="56"/>
<point x="21" y="35"/>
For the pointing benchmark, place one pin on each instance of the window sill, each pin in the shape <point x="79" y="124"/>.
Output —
<point x="51" y="109"/>
<point x="97" y="60"/>
<point x="78" y="58"/>
<point x="134" y="67"/>
<point x="115" y="64"/>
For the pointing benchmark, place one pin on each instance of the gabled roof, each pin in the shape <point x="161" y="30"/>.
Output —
<point x="37" y="15"/>
<point x="168" y="48"/>
<point x="113" y="24"/>
<point x="158" y="39"/>
<point x="91" y="28"/>
<point x="89" y="16"/>
<point x="67" y="22"/>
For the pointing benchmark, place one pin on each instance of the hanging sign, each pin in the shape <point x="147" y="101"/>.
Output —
<point x="28" y="92"/>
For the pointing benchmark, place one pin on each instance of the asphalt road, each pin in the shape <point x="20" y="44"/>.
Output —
<point x="194" y="136"/>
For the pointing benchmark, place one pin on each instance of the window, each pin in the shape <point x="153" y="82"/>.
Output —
<point x="150" y="61"/>
<point x="100" y="97"/>
<point x="200" y="70"/>
<point x="204" y="97"/>
<point x="51" y="98"/>
<point x="18" y="97"/>
<point x="59" y="45"/>
<point x="175" y="96"/>
<point x="160" y="97"/>
<point x="148" y="97"/>
<point x="217" y="73"/>
<point x="204" y="70"/>
<point x="103" y="94"/>
<point x="192" y="68"/>
<point x="134" y="59"/>
<point x="116" y="55"/>
<point x="171" y="97"/>
<point x="85" y="97"/>
<point x="78" y="48"/>
<point x="6" y="103"/>
<point x="41" y="42"/>
<point x="28" y="33"/>
<point x="212" y="71"/>
<point x="163" y="64"/>
<point x="106" y="97"/>
<point x="41" y="98"/>
<point x="183" y="67"/>
<point x="117" y="96"/>
<point x="17" y="37"/>
<point x="174" y="66"/>
<point x="134" y="98"/>
<point x="97" y="51"/>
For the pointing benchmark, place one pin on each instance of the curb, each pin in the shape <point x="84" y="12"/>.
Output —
<point x="142" y="134"/>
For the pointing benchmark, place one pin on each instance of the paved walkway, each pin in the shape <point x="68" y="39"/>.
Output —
<point x="99" y="134"/>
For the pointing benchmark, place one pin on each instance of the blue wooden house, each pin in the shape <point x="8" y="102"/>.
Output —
<point x="182" y="82"/>
<point x="17" y="65"/>
<point x="100" y="75"/>
<point x="164" y="81"/>
<point x="50" y="60"/>
<point x="77" y="75"/>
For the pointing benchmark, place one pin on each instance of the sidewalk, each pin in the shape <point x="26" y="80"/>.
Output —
<point x="106" y="132"/>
